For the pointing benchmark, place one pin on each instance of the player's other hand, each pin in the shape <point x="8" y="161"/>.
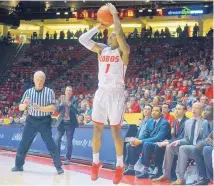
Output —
<point x="112" y="8"/>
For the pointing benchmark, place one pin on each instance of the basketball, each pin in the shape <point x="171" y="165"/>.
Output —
<point x="104" y="16"/>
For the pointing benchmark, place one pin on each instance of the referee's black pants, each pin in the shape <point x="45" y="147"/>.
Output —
<point x="34" y="125"/>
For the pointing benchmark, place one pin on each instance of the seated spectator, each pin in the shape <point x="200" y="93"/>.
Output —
<point x="204" y="101"/>
<point x="186" y="147"/>
<point x="167" y="116"/>
<point x="164" y="147"/>
<point x="179" y="86"/>
<point x="157" y="129"/>
<point x="168" y="82"/>
<point x="88" y="109"/>
<point x="204" y="72"/>
<point x="209" y="90"/>
<point x="210" y="77"/>
<point x="22" y="120"/>
<point x="134" y="106"/>
<point x="156" y="101"/>
<point x="153" y="90"/>
<point x="17" y="120"/>
<point x="82" y="109"/>
<point x="203" y="156"/>
<point x="88" y="120"/>
<point x="80" y="120"/>
<point x="191" y="87"/>
<point x="1" y="115"/>
<point x="159" y="90"/>
<point x="181" y="98"/>
<point x="11" y="121"/>
<point x="168" y="97"/>
<point x="174" y="99"/>
<point x="130" y="158"/>
<point x="184" y="88"/>
<point x="147" y="97"/>
<point x="5" y="111"/>
<point x="192" y="99"/>
<point x="201" y="92"/>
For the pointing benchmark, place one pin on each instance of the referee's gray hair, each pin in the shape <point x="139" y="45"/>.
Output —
<point x="69" y="87"/>
<point x="39" y="73"/>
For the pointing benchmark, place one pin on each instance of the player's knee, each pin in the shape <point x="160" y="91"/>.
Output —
<point x="116" y="133"/>
<point x="98" y="129"/>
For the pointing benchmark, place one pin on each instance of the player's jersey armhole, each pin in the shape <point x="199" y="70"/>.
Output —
<point x="120" y="56"/>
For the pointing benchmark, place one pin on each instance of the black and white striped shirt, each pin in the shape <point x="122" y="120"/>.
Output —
<point x="42" y="98"/>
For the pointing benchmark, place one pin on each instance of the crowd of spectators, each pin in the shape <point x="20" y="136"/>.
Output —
<point x="155" y="149"/>
<point x="166" y="33"/>
<point x="161" y="71"/>
<point x="71" y="35"/>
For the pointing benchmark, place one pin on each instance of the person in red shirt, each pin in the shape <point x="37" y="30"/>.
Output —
<point x="179" y="86"/>
<point x="209" y="90"/>
<point x="178" y="73"/>
<point x="1" y="115"/>
<point x="184" y="88"/>
<point x="165" y="111"/>
<point x="168" y="98"/>
<point x="168" y="82"/>
<point x="11" y="97"/>
<point x="134" y="106"/>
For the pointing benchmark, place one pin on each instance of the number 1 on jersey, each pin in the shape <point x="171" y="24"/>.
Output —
<point x="107" y="68"/>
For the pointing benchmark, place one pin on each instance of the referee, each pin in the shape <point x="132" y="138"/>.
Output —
<point x="40" y="103"/>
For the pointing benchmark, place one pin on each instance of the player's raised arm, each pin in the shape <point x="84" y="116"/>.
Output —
<point x="86" y="40"/>
<point x="124" y="47"/>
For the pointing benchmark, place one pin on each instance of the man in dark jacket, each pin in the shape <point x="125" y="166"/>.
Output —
<point x="157" y="130"/>
<point x="178" y="133"/>
<point x="131" y="159"/>
<point x="67" y="121"/>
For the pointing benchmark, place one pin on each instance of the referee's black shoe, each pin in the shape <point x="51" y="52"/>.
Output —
<point x="17" y="169"/>
<point x="60" y="170"/>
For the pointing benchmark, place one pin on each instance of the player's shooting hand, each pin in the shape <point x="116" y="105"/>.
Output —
<point x="112" y="8"/>
<point x="101" y="26"/>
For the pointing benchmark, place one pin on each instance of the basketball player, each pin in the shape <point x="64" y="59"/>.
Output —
<point x="109" y="98"/>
